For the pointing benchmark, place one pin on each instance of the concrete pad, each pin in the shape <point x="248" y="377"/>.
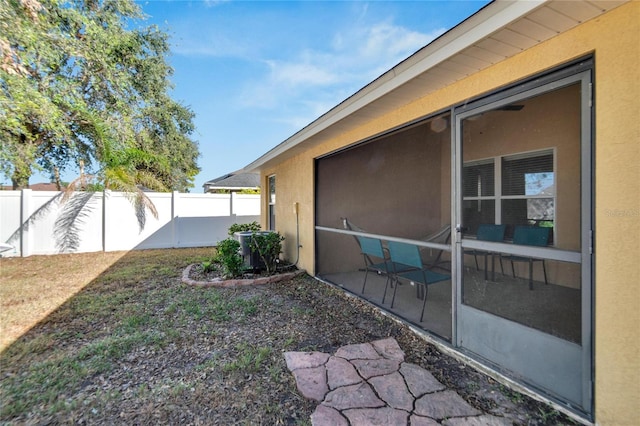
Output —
<point x="354" y="396"/>
<point x="312" y="382"/>
<point x="393" y="390"/>
<point x="444" y="405"/>
<point x="327" y="416"/>
<point x="389" y="349"/>
<point x="376" y="416"/>
<point x="341" y="372"/>
<point x="297" y="360"/>
<point x="419" y="380"/>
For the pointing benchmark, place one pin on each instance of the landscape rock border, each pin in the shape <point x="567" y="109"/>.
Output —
<point x="238" y="282"/>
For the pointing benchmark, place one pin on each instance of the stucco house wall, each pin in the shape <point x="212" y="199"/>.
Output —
<point x="614" y="41"/>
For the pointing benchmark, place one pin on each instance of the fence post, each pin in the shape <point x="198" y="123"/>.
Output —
<point x="105" y="194"/>
<point x="175" y="237"/>
<point x="25" y="214"/>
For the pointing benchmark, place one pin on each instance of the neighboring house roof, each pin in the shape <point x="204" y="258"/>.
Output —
<point x="498" y="31"/>
<point x="233" y="182"/>
<point x="49" y="186"/>
<point x="43" y="186"/>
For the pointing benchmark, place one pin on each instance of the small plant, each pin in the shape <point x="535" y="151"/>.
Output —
<point x="268" y="245"/>
<point x="229" y="257"/>
<point x="244" y="227"/>
<point x="208" y="266"/>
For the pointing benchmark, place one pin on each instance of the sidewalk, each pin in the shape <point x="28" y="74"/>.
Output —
<point x="370" y="384"/>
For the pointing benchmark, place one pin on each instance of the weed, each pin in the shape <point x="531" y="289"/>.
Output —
<point x="301" y="311"/>
<point x="211" y="363"/>
<point x="208" y="266"/>
<point x="472" y="387"/>
<point x="133" y="323"/>
<point x="249" y="360"/>
<point x="515" y="397"/>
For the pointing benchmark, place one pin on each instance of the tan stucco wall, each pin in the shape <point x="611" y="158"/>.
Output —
<point x="614" y="39"/>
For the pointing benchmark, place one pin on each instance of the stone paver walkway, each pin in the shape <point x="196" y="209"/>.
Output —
<point x="371" y="384"/>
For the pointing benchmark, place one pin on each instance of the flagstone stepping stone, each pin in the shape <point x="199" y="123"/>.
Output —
<point x="444" y="405"/>
<point x="393" y="390"/>
<point x="372" y="417"/>
<point x="359" y="351"/>
<point x="354" y="396"/>
<point x="341" y="372"/>
<point x="422" y="421"/>
<point x="375" y="367"/>
<point x="389" y="349"/>
<point x="486" y="420"/>
<point x="312" y="382"/>
<point x="296" y="360"/>
<point x="419" y="380"/>
<point x="370" y="384"/>
<point x="327" y="416"/>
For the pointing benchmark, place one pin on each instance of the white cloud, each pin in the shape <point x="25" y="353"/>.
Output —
<point x="291" y="74"/>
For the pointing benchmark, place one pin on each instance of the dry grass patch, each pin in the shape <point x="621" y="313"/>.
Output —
<point x="35" y="286"/>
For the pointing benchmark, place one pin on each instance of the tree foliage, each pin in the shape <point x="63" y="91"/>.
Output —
<point x="83" y="82"/>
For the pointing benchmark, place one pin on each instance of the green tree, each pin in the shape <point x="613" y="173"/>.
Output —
<point x="83" y="82"/>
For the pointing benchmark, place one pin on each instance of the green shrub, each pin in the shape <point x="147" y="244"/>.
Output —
<point x="244" y="227"/>
<point x="268" y="246"/>
<point x="229" y="258"/>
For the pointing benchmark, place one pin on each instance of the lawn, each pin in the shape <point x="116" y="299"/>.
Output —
<point x="117" y="338"/>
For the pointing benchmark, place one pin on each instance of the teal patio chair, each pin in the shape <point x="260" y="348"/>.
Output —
<point x="433" y="257"/>
<point x="374" y="259"/>
<point x="406" y="264"/>
<point x="487" y="232"/>
<point x="529" y="236"/>
<point x="434" y="260"/>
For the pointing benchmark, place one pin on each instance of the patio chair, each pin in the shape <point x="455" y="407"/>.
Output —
<point x="529" y="236"/>
<point x="487" y="232"/>
<point x="348" y="225"/>
<point x="408" y="256"/>
<point x="434" y="260"/>
<point x="371" y="248"/>
<point x="375" y="256"/>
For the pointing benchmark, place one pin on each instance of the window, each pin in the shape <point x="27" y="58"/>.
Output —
<point x="512" y="190"/>
<point x="272" y="202"/>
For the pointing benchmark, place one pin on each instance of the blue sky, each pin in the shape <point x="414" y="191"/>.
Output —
<point x="256" y="72"/>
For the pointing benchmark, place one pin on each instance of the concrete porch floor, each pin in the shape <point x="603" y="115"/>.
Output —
<point x="550" y="308"/>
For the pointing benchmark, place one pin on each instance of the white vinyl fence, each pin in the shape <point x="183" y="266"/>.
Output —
<point x="33" y="222"/>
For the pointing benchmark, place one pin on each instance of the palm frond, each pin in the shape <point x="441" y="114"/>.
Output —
<point x="39" y="213"/>
<point x="66" y="230"/>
